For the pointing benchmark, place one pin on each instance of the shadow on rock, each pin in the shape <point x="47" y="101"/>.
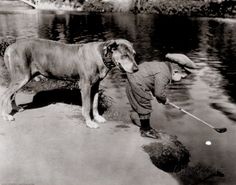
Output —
<point x="168" y="154"/>
<point x="44" y="98"/>
<point x="68" y="96"/>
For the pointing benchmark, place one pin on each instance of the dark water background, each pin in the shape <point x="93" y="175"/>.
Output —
<point x="209" y="94"/>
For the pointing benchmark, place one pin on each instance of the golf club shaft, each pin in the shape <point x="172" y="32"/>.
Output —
<point x="186" y="112"/>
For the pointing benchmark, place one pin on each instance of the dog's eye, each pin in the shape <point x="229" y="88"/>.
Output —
<point x="124" y="56"/>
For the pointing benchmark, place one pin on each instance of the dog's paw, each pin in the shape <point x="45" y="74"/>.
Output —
<point x="8" y="117"/>
<point x="21" y="109"/>
<point x="99" y="119"/>
<point x="92" y="124"/>
<point x="18" y="109"/>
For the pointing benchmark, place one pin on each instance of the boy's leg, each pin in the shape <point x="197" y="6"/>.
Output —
<point x="142" y="106"/>
<point x="145" y="122"/>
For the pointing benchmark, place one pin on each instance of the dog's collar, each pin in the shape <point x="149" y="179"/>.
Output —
<point x="107" y="58"/>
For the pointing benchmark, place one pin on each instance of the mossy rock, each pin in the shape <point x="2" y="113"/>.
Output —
<point x="168" y="154"/>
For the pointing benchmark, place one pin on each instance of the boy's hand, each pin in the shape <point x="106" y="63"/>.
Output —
<point x="163" y="100"/>
<point x="167" y="101"/>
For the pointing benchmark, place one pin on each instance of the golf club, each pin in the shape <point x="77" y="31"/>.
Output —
<point x="219" y="130"/>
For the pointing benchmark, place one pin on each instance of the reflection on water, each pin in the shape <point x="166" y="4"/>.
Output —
<point x="18" y="24"/>
<point x="71" y="28"/>
<point x="225" y="53"/>
<point x="209" y="94"/>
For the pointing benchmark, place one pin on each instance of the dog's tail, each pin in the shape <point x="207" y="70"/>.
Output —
<point x="4" y="75"/>
<point x="4" y="43"/>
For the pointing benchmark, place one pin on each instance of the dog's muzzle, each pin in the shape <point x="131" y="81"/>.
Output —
<point x="135" y="68"/>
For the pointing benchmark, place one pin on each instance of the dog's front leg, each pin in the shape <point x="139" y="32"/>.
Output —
<point x="96" y="115"/>
<point x="86" y="104"/>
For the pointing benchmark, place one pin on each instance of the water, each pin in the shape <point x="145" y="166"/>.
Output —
<point x="209" y="94"/>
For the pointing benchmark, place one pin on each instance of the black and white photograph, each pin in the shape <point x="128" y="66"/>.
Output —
<point x="117" y="92"/>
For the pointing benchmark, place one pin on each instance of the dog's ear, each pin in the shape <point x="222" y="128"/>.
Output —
<point x="110" y="46"/>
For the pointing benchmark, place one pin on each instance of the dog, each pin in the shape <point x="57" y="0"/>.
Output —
<point x="86" y="63"/>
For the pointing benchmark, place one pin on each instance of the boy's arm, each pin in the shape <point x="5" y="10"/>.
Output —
<point x="160" y="86"/>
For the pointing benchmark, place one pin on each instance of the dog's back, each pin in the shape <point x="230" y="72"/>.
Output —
<point x="50" y="58"/>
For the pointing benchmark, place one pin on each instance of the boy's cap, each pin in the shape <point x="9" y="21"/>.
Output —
<point x="182" y="60"/>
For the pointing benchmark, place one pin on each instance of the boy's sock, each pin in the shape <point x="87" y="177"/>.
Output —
<point x="145" y="124"/>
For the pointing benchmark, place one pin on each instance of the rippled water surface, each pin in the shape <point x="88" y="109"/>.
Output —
<point x="209" y="94"/>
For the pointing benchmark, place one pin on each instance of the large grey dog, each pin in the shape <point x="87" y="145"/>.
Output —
<point x="87" y="63"/>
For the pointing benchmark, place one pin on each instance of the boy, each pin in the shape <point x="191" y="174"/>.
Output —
<point x="152" y="80"/>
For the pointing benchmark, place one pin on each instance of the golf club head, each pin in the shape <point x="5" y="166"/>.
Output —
<point x="220" y="130"/>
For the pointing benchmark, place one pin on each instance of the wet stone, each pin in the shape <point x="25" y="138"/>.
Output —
<point x="168" y="153"/>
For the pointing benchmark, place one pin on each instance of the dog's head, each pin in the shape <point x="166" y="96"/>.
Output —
<point x="121" y="54"/>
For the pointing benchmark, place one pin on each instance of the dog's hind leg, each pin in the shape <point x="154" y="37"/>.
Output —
<point x="9" y="98"/>
<point x="87" y="104"/>
<point x="96" y="115"/>
<point x="6" y="109"/>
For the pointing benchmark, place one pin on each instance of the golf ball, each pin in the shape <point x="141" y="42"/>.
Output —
<point x="208" y="143"/>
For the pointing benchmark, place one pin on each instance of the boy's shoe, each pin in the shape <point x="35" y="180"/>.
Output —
<point x="151" y="133"/>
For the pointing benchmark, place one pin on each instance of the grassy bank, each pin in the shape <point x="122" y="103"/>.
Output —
<point x="212" y="8"/>
<point x="189" y="8"/>
<point x="166" y="7"/>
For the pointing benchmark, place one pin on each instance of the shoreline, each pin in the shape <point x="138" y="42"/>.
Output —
<point x="223" y="9"/>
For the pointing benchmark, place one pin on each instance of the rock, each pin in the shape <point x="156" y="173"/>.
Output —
<point x="168" y="154"/>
